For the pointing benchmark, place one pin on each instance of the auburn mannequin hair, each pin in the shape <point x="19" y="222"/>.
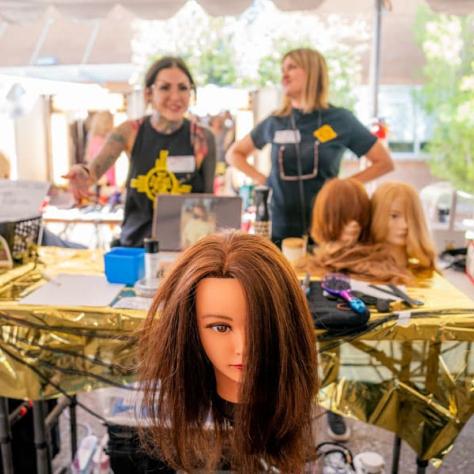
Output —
<point x="272" y="420"/>
<point x="420" y="249"/>
<point x="339" y="202"/>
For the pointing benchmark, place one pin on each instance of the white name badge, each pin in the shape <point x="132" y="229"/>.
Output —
<point x="181" y="163"/>
<point x="287" y="136"/>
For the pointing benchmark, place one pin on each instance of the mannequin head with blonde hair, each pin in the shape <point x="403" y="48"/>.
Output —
<point x="341" y="212"/>
<point x="398" y="220"/>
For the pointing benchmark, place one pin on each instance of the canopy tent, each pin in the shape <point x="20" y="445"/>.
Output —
<point x="33" y="38"/>
<point x="20" y="11"/>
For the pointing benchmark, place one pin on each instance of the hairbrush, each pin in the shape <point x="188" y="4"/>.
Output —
<point x="337" y="284"/>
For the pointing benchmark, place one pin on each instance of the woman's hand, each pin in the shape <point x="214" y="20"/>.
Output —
<point x="237" y="156"/>
<point x="79" y="182"/>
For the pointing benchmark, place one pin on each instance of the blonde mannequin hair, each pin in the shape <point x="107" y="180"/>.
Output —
<point x="316" y="90"/>
<point x="419" y="248"/>
<point x="4" y="167"/>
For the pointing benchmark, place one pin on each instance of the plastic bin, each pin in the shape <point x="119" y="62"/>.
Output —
<point x="124" y="265"/>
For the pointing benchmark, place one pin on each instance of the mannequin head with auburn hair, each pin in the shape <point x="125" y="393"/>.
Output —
<point x="222" y="289"/>
<point x="341" y="212"/>
<point x="398" y="221"/>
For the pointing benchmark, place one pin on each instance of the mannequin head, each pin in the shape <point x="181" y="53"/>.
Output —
<point x="221" y="313"/>
<point x="223" y="331"/>
<point x="341" y="213"/>
<point x="398" y="221"/>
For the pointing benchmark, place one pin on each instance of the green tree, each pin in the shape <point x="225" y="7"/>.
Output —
<point x="246" y="51"/>
<point x="448" y="93"/>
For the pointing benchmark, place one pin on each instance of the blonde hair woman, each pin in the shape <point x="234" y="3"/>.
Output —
<point x="308" y="137"/>
<point x="398" y="220"/>
<point x="4" y="167"/>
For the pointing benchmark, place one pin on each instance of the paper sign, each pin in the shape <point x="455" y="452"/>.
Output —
<point x="74" y="290"/>
<point x="21" y="199"/>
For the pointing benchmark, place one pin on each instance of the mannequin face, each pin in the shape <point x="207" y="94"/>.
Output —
<point x="350" y="233"/>
<point x="221" y="312"/>
<point x="293" y="78"/>
<point x="171" y="93"/>
<point x="397" y="224"/>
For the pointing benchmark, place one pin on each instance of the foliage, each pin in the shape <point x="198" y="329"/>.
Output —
<point x="448" y="93"/>
<point x="246" y="51"/>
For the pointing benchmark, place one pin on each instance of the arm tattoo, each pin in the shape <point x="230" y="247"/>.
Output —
<point x="101" y="166"/>
<point x="114" y="145"/>
<point x="117" y="137"/>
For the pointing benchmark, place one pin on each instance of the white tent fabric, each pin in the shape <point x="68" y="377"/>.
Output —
<point x="24" y="11"/>
<point x="21" y="11"/>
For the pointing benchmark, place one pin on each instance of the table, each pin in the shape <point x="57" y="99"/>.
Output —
<point x="411" y="375"/>
<point x="70" y="218"/>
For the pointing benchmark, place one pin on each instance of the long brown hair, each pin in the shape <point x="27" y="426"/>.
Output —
<point x="272" y="421"/>
<point x="339" y="202"/>
<point x="316" y="90"/>
<point x="420" y="249"/>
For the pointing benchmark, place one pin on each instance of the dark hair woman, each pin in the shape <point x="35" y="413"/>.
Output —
<point x="165" y="150"/>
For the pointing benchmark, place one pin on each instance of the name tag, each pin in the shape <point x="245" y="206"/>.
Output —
<point x="287" y="136"/>
<point x="181" y="163"/>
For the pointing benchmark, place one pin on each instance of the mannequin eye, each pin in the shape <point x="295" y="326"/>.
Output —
<point x="222" y="328"/>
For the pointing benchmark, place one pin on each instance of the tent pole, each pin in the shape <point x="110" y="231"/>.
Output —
<point x="375" y="58"/>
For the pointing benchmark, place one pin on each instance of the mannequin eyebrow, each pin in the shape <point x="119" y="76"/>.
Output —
<point x="220" y="316"/>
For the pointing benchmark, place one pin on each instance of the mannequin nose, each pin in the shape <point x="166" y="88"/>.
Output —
<point x="239" y="342"/>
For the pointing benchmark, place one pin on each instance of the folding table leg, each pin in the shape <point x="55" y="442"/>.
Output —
<point x="5" y="438"/>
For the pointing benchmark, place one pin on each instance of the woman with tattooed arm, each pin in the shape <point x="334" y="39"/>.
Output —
<point x="167" y="151"/>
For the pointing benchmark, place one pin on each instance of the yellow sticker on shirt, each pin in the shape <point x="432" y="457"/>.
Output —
<point x="325" y="133"/>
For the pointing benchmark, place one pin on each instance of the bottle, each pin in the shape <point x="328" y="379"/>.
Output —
<point x="369" y="462"/>
<point x="152" y="258"/>
<point x="262" y="215"/>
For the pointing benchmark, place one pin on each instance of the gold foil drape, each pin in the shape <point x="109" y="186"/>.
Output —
<point x="412" y="375"/>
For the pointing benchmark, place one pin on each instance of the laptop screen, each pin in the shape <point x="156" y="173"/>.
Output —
<point x="181" y="220"/>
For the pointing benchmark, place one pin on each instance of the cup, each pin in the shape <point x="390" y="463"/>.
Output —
<point x="293" y="248"/>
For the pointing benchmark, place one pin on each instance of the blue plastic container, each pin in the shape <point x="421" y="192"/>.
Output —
<point x="124" y="265"/>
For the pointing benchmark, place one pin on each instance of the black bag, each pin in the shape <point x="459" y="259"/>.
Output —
<point x="126" y="455"/>
<point x="333" y="314"/>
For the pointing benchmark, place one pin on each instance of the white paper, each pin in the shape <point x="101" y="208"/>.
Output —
<point x="75" y="290"/>
<point x="21" y="199"/>
<point x="134" y="302"/>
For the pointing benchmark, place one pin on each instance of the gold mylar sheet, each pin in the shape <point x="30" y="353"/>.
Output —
<point x="46" y="349"/>
<point x="411" y="373"/>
